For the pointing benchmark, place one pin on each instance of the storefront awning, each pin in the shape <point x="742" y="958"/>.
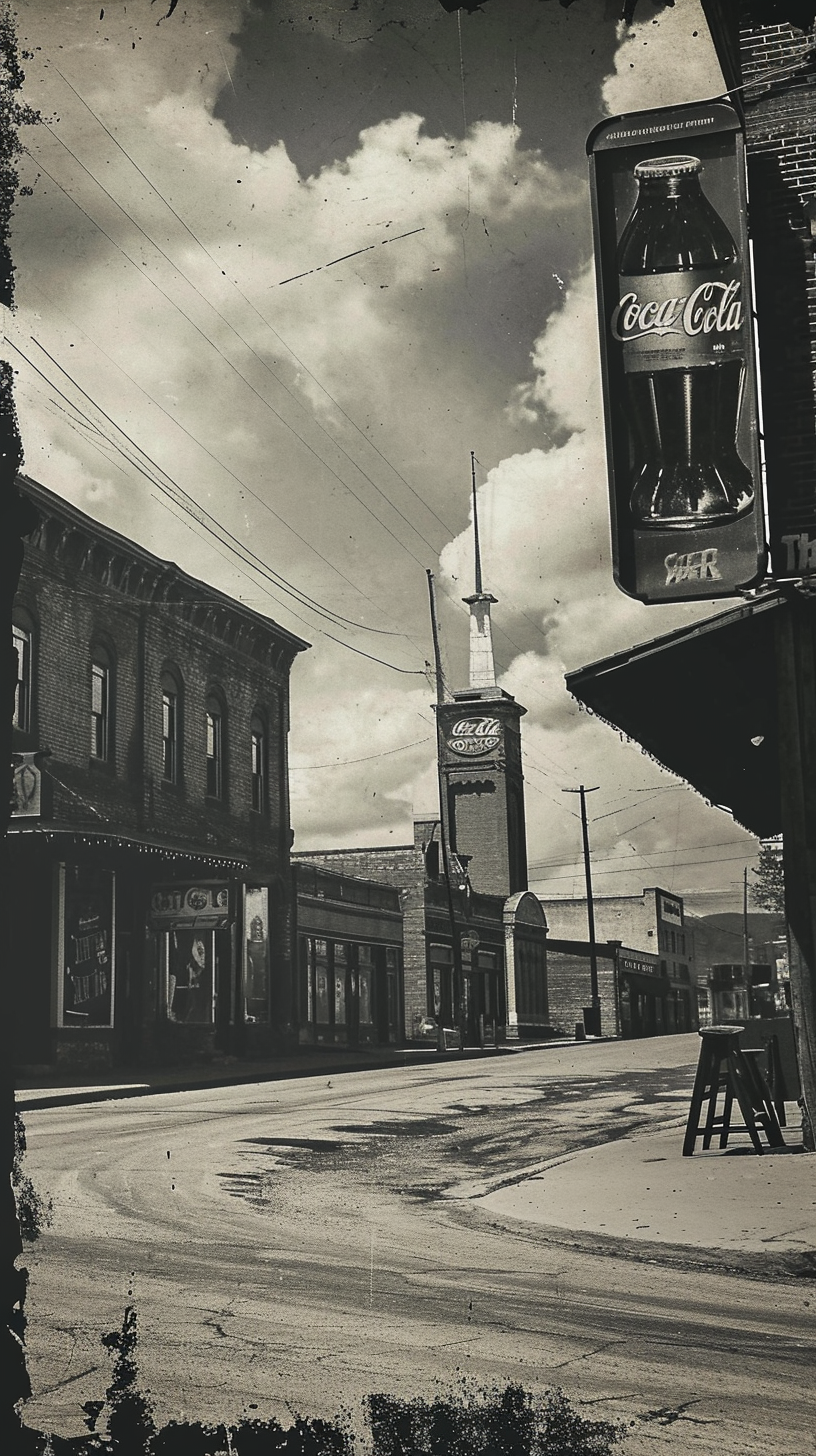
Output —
<point x="66" y="839"/>
<point x="646" y="985"/>
<point x="702" y="702"/>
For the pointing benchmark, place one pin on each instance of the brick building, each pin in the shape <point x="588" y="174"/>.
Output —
<point x="150" y="835"/>
<point x="771" y="65"/>
<point x="349" y="939"/>
<point x="648" y="956"/>
<point x="500" y="942"/>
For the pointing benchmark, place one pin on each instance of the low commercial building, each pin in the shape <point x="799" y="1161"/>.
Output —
<point x="350" y="945"/>
<point x="473" y="963"/>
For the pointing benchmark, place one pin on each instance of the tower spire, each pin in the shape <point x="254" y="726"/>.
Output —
<point x="475" y="524"/>
<point x="482" y="666"/>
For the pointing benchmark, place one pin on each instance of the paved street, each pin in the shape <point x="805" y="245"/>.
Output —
<point x="295" y="1245"/>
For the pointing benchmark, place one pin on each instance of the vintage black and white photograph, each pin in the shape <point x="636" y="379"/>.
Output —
<point x="409" y="472"/>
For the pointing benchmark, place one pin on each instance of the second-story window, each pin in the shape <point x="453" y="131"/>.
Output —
<point x="100" y="709"/>
<point x="214" y="726"/>
<point x="171" y="730"/>
<point x="259" y="759"/>
<point x="22" y="695"/>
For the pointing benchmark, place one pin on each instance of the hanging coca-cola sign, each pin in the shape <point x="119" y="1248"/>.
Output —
<point x="677" y="353"/>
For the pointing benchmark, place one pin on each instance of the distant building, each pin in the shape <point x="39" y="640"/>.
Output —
<point x="149" y="844"/>
<point x="732" y="990"/>
<point x="645" y="938"/>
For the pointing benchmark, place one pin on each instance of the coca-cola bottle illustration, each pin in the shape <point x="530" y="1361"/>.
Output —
<point x="681" y="321"/>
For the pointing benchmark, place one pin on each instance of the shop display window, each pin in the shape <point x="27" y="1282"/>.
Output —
<point x="190" y="982"/>
<point x="364" y="978"/>
<point x="322" y="983"/>
<point x="340" y="985"/>
<point x="86" y="980"/>
<point x="256" y="953"/>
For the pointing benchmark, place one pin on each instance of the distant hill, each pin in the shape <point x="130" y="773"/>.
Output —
<point x="718" y="939"/>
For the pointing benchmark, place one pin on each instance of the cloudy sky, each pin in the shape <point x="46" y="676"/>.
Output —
<point x="293" y="262"/>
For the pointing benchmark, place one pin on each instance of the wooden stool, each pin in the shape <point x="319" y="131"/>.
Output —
<point x="724" y="1067"/>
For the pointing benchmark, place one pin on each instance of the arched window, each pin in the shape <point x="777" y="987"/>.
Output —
<point x="214" y="730"/>
<point x="259" y="764"/>
<point x="23" y="639"/>
<point x="171" y="728"/>
<point x="101" y="704"/>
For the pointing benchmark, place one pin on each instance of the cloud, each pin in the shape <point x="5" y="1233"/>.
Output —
<point x="664" y="60"/>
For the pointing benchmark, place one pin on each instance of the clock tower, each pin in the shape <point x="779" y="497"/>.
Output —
<point x="480" y="771"/>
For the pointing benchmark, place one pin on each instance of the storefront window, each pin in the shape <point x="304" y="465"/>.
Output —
<point x="440" y="988"/>
<point x="88" y="938"/>
<point x="364" y="971"/>
<point x="190" y="976"/>
<point x="321" y="982"/>
<point x="340" y="985"/>
<point x="258" y="755"/>
<point x="256" y="953"/>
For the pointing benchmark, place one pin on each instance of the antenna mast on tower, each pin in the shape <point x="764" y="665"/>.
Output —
<point x="482" y="666"/>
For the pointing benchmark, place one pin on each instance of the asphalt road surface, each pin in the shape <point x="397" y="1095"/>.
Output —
<point x="291" y="1247"/>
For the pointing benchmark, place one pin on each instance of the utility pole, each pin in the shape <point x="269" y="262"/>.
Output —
<point x="746" y="949"/>
<point x="595" y="1029"/>
<point x="456" y="949"/>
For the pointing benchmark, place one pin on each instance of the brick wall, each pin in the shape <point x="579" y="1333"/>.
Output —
<point x="627" y="918"/>
<point x="780" y="122"/>
<point x="72" y="610"/>
<point x="403" y="867"/>
<point x="569" y="989"/>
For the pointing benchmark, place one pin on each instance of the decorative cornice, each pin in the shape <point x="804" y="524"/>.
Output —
<point x="114" y="563"/>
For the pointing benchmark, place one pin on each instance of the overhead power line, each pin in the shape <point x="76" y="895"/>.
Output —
<point x="689" y="848"/>
<point x="348" y="762"/>
<point x="180" y="497"/>
<point x="230" y="364"/>
<point x="248" y="301"/>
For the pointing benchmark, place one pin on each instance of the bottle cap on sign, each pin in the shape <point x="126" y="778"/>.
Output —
<point x="668" y="167"/>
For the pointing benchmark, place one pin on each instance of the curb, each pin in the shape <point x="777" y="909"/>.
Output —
<point x="68" y="1097"/>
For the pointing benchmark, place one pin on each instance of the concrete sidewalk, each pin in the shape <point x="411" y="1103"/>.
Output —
<point x="642" y="1190"/>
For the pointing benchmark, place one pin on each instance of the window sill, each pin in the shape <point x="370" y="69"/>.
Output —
<point x="169" y="786"/>
<point x="217" y="803"/>
<point x="105" y="766"/>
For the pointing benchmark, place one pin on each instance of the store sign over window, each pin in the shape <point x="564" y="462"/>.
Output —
<point x="26" y="797"/>
<point x="203" y="905"/>
<point x="474" y="736"/>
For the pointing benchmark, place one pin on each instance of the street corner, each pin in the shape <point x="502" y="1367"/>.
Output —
<point x="642" y="1191"/>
